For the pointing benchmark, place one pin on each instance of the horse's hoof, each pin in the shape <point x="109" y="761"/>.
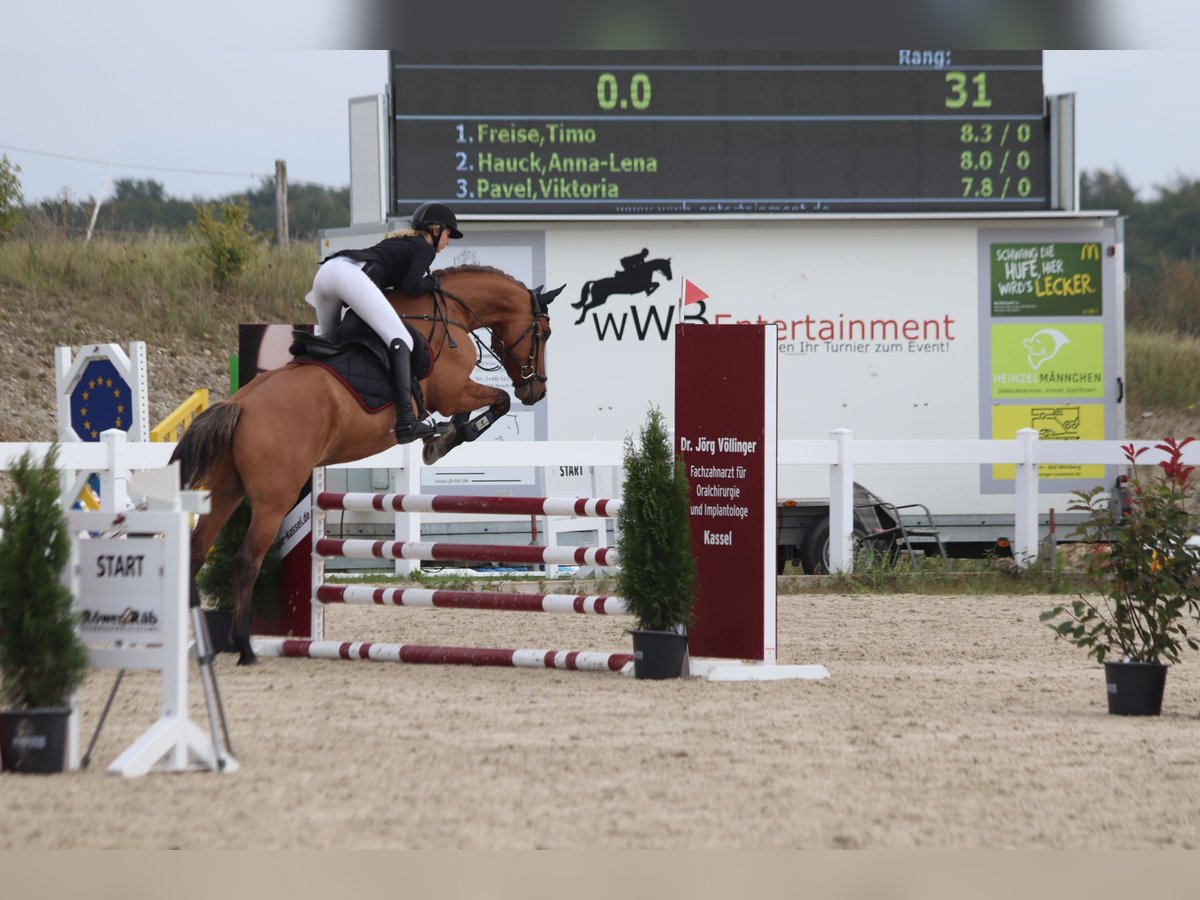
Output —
<point x="245" y="651"/>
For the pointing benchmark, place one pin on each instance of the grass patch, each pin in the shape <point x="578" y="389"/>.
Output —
<point x="154" y="286"/>
<point x="978" y="577"/>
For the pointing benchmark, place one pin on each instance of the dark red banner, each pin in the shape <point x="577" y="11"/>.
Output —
<point x="725" y="430"/>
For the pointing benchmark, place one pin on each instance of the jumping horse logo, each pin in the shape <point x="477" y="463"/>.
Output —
<point x="636" y="276"/>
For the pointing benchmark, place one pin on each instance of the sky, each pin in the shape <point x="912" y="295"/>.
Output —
<point x="210" y="122"/>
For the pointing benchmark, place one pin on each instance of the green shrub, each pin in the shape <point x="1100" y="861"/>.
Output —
<point x="226" y="246"/>
<point x="658" y="572"/>
<point x="216" y="577"/>
<point x="43" y="661"/>
<point x="10" y="197"/>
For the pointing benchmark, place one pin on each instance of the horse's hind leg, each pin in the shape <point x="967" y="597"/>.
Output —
<point x="264" y="525"/>
<point x="222" y="504"/>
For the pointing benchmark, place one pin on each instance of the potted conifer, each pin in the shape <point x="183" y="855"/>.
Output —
<point x="657" y="577"/>
<point x="1145" y="581"/>
<point x="43" y="661"/>
<point x="215" y="580"/>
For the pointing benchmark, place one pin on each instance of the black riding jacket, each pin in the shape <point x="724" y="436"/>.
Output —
<point x="400" y="263"/>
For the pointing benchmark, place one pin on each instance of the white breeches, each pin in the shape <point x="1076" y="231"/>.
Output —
<point x="341" y="280"/>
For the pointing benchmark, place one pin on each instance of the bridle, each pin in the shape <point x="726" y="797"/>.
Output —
<point x="529" y="371"/>
<point x="499" y="350"/>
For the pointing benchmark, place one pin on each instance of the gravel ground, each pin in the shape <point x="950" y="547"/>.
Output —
<point x="946" y="722"/>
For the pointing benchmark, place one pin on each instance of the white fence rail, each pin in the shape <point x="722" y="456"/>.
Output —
<point x="113" y="458"/>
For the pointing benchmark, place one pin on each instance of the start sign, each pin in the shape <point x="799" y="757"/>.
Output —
<point x="121" y="587"/>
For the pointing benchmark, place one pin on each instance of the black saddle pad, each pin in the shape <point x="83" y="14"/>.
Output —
<point x="356" y="356"/>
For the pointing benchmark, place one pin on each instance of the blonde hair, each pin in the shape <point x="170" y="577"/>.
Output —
<point x="403" y="232"/>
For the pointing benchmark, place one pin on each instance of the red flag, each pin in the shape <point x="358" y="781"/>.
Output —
<point x="691" y="293"/>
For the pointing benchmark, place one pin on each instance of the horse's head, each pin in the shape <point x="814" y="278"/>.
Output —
<point x="663" y="265"/>
<point x="522" y="346"/>
<point x="517" y="317"/>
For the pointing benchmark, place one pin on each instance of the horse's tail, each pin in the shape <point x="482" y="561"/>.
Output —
<point x="205" y="443"/>
<point x="583" y="294"/>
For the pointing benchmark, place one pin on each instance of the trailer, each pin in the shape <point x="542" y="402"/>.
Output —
<point x="927" y="272"/>
<point x="935" y="326"/>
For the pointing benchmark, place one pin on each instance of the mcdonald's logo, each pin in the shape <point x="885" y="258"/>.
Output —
<point x="1089" y="251"/>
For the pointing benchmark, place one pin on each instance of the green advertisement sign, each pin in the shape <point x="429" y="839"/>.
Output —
<point x="1046" y="279"/>
<point x="1054" y="360"/>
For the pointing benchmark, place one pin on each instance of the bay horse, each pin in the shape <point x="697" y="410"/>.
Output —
<point x="262" y="443"/>
<point x="638" y="280"/>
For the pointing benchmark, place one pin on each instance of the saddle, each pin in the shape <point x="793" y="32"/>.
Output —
<point x="358" y="358"/>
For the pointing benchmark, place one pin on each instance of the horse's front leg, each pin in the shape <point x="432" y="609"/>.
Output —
<point x="497" y="403"/>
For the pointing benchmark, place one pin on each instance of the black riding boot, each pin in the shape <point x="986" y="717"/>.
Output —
<point x="408" y="428"/>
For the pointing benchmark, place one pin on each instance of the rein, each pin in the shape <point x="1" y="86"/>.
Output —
<point x="528" y="369"/>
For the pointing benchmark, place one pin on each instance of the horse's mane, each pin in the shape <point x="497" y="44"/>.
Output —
<point x="478" y="270"/>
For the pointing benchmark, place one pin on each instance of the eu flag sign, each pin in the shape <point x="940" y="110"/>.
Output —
<point x="100" y="388"/>
<point x="101" y="400"/>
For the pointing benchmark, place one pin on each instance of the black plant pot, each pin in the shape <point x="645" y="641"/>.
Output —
<point x="220" y="621"/>
<point x="34" y="740"/>
<point x="659" y="654"/>
<point x="1135" y="688"/>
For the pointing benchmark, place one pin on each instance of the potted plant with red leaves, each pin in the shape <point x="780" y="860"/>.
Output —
<point x="1145" y="579"/>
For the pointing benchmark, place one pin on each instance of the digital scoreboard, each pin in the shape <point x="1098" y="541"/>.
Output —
<point x="628" y="133"/>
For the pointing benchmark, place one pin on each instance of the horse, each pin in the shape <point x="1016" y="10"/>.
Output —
<point x="638" y="280"/>
<point x="263" y="442"/>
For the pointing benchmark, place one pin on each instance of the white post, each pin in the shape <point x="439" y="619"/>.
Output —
<point x="841" y="503"/>
<point x="316" y="575"/>
<point x="1025" y="525"/>
<point x="114" y="480"/>
<point x="407" y="526"/>
<point x="99" y="200"/>
<point x="139" y="386"/>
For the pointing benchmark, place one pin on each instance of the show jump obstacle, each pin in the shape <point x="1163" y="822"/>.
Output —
<point x="325" y="548"/>
<point x="726" y="432"/>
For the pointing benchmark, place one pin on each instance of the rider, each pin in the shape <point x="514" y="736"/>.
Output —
<point x="632" y="262"/>
<point x="357" y="278"/>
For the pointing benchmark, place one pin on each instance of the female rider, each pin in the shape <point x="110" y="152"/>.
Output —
<point x="357" y="278"/>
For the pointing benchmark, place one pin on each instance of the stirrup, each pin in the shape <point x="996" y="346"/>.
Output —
<point x="417" y="431"/>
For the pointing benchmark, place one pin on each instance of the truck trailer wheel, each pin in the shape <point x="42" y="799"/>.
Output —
<point x="814" y="555"/>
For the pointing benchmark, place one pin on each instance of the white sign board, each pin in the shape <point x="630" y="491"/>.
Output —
<point x="121" y="590"/>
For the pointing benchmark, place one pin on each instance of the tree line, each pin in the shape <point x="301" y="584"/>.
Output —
<point x="1162" y="236"/>
<point x="138" y="206"/>
<point x="1161" y="233"/>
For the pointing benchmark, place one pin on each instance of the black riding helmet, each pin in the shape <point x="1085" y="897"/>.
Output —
<point x="435" y="214"/>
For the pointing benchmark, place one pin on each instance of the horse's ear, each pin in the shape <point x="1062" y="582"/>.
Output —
<point x="550" y="295"/>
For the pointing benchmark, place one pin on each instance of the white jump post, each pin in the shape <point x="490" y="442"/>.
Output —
<point x="130" y="577"/>
<point x="1025" y="485"/>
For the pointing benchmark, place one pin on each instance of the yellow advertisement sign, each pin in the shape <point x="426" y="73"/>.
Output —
<point x="1058" y="359"/>
<point x="1054" y="422"/>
